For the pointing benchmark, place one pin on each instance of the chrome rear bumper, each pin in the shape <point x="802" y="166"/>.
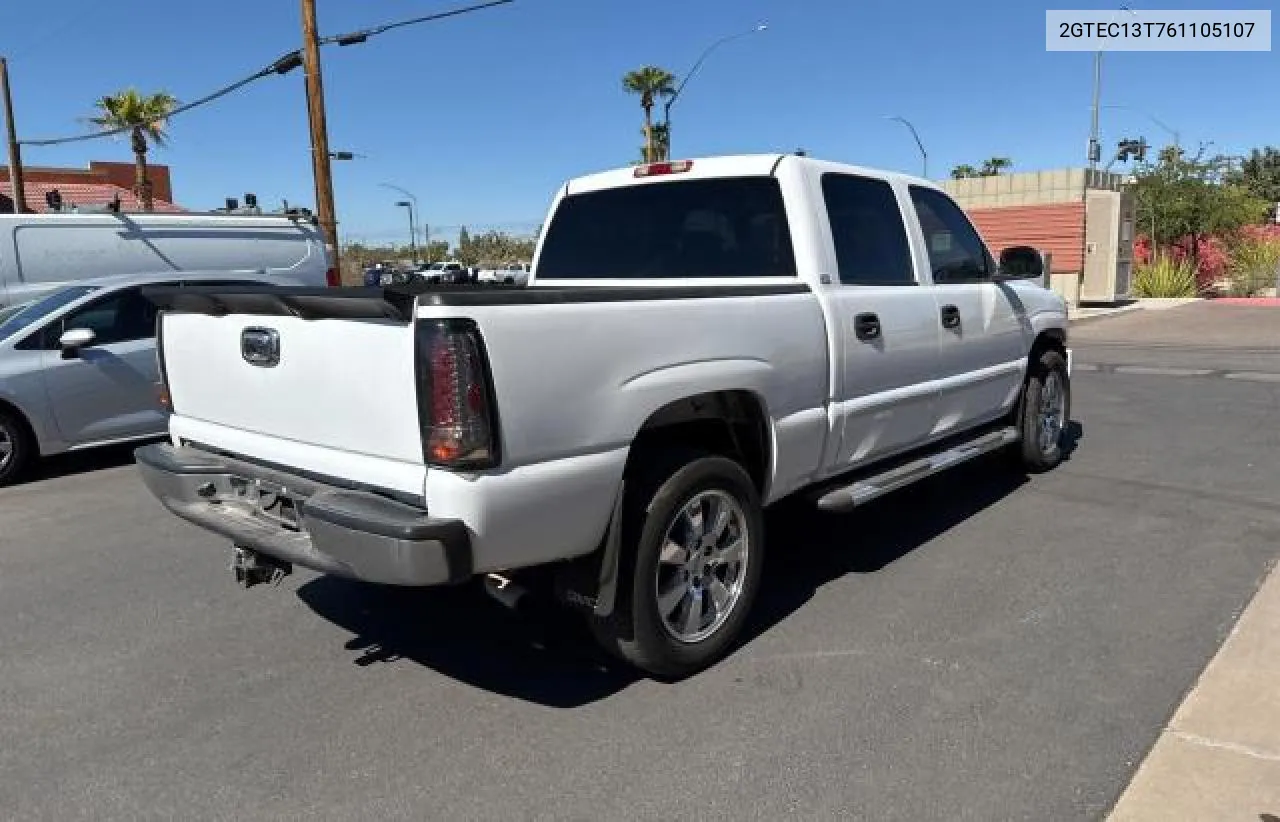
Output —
<point x="350" y="533"/>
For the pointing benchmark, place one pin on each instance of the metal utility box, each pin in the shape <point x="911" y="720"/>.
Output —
<point x="1108" y="245"/>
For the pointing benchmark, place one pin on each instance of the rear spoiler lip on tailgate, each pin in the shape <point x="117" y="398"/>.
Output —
<point x="398" y="302"/>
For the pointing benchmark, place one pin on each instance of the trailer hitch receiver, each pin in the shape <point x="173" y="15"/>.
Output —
<point x="252" y="568"/>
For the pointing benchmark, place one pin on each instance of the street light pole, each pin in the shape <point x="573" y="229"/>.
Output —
<point x="319" y="132"/>
<point x="924" y="157"/>
<point x="1095" y="147"/>
<point x="666" y="109"/>
<point x="413" y="229"/>
<point x="15" y="152"/>
<point x="413" y="210"/>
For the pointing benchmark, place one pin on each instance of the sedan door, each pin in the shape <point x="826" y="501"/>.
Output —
<point x="982" y="327"/>
<point x="106" y="390"/>
<point x="888" y="356"/>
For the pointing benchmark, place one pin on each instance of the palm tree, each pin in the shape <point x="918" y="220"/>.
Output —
<point x="962" y="171"/>
<point x="993" y="167"/>
<point x="145" y="116"/>
<point x="651" y="83"/>
<point x="661" y="142"/>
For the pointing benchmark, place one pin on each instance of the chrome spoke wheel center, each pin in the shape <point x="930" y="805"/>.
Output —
<point x="702" y="566"/>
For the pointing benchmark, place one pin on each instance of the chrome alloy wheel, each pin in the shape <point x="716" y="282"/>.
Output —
<point x="1053" y="412"/>
<point x="702" y="566"/>
<point x="7" y="447"/>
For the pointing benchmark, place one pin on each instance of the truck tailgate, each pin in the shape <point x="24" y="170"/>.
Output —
<point x="340" y="387"/>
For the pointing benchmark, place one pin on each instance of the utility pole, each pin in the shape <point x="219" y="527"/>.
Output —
<point x="1095" y="147"/>
<point x="15" y="153"/>
<point x="1095" y="144"/>
<point x="319" y="132"/>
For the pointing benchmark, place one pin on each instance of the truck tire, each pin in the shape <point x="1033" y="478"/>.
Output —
<point x="690" y="566"/>
<point x="1044" y="412"/>
<point x="16" y="447"/>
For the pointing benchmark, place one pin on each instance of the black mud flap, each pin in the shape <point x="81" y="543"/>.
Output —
<point x="591" y="583"/>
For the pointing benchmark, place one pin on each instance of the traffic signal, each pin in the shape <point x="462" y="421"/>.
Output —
<point x="1135" y="149"/>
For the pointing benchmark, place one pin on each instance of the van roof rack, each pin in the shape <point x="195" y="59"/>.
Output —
<point x="99" y="209"/>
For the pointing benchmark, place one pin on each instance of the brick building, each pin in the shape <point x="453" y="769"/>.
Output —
<point x="1083" y="218"/>
<point x="96" y="186"/>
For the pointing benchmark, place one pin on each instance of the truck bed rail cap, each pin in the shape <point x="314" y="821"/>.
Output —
<point x="287" y="301"/>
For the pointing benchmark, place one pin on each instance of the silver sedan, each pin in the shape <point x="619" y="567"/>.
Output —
<point x="78" y="366"/>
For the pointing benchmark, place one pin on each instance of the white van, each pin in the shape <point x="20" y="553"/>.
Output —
<point x="40" y="252"/>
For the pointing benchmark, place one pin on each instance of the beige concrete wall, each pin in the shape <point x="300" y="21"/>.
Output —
<point x="1064" y="185"/>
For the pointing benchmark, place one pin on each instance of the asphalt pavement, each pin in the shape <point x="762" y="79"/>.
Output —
<point x="982" y="646"/>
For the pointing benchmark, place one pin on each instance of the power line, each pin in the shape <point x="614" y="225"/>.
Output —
<point x="283" y="65"/>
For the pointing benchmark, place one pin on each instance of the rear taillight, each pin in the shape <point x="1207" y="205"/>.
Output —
<point x="332" y="279"/>
<point x="455" y="400"/>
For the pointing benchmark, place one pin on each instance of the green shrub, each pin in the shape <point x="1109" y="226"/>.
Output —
<point x="1165" y="277"/>
<point x="1254" y="264"/>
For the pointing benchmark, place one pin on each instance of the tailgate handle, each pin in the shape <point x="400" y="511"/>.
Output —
<point x="260" y="346"/>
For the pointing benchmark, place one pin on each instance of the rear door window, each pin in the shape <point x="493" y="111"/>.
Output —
<point x="867" y="230"/>
<point x="723" y="227"/>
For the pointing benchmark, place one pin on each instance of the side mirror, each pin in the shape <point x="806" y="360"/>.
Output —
<point x="1021" y="262"/>
<point x="74" y="339"/>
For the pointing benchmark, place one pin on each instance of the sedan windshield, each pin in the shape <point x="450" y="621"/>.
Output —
<point x="11" y="322"/>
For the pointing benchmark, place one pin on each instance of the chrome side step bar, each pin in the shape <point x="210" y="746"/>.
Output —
<point x="865" y="489"/>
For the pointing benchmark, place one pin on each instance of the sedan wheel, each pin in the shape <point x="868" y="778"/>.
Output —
<point x="15" y="448"/>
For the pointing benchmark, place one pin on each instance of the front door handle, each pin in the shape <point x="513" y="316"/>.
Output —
<point x="866" y="327"/>
<point x="950" y="316"/>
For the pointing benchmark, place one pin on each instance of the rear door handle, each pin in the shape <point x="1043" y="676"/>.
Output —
<point x="867" y="327"/>
<point x="950" y="316"/>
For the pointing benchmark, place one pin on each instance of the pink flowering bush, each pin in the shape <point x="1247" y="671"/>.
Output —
<point x="1212" y="259"/>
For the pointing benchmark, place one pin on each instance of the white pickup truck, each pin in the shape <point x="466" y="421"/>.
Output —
<point x="511" y="274"/>
<point x="699" y="340"/>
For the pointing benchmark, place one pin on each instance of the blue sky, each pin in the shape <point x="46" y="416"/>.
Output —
<point x="483" y="116"/>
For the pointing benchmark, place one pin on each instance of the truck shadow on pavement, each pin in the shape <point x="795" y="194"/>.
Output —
<point x="544" y="654"/>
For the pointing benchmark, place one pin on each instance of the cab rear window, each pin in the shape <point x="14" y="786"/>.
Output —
<point x="722" y="227"/>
